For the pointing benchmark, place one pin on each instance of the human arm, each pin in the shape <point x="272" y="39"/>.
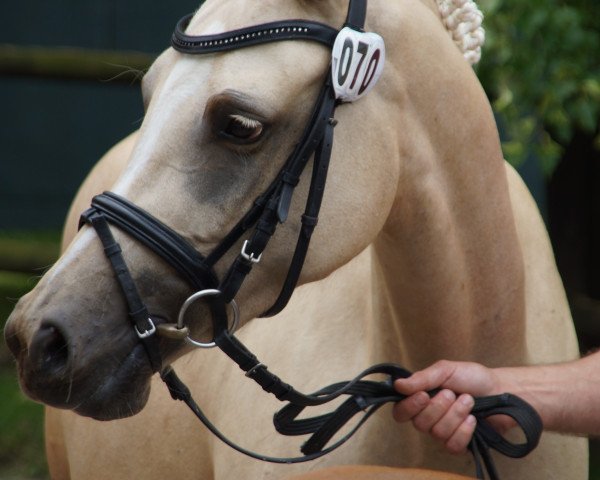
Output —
<point x="563" y="394"/>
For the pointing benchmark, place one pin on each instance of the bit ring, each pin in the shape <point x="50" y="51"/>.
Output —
<point x="196" y="296"/>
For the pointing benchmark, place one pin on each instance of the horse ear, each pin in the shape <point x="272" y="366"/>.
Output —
<point x="463" y="19"/>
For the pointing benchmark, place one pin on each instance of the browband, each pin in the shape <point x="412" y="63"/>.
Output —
<point x="254" y="35"/>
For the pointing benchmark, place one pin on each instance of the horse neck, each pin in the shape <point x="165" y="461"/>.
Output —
<point x="448" y="288"/>
<point x="447" y="268"/>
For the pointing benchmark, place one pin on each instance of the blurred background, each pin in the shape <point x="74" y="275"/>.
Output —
<point x="69" y="90"/>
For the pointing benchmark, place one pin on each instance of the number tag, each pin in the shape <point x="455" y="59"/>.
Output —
<point x="357" y="63"/>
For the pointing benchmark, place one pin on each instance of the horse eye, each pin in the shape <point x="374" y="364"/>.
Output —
<point x="243" y="129"/>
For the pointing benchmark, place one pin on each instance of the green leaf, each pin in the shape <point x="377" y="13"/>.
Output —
<point x="541" y="60"/>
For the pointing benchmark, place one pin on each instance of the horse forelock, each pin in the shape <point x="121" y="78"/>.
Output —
<point x="463" y="19"/>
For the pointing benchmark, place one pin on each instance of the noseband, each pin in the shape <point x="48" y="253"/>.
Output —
<point x="357" y="62"/>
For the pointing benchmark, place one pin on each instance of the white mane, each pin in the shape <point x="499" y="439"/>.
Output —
<point x="463" y="19"/>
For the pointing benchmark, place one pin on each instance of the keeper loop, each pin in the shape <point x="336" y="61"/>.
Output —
<point x="112" y="250"/>
<point x="290" y="179"/>
<point x="309" y="221"/>
<point x="252" y="371"/>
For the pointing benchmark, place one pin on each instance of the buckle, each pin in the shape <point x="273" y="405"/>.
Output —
<point x="148" y="332"/>
<point x="249" y="256"/>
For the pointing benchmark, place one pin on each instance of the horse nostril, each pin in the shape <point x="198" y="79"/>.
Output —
<point x="49" y="350"/>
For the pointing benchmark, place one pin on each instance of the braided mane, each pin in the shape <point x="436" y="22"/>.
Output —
<point x="463" y="19"/>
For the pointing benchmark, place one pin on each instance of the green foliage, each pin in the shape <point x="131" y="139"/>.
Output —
<point x="28" y="251"/>
<point x="21" y="420"/>
<point x="21" y="432"/>
<point x="541" y="70"/>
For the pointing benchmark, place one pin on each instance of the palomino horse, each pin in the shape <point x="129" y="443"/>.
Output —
<point x="428" y="247"/>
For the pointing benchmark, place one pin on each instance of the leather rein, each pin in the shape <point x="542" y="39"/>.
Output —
<point x="270" y="209"/>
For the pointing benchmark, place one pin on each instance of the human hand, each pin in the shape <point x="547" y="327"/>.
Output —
<point x="445" y="416"/>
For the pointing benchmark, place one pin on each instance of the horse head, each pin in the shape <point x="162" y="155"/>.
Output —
<point x="217" y="133"/>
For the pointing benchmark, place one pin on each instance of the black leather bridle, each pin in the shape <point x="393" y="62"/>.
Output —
<point x="270" y="209"/>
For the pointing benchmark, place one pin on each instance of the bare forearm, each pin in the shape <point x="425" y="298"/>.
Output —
<point x="565" y="395"/>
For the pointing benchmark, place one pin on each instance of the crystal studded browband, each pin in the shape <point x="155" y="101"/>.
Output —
<point x="254" y="35"/>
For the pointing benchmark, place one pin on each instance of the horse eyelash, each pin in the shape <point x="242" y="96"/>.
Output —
<point x="246" y="122"/>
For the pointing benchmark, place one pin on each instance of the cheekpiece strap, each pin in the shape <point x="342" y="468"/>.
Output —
<point x="138" y="313"/>
<point x="357" y="13"/>
<point x="249" y="36"/>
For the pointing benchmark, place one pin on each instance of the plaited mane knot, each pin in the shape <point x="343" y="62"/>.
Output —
<point x="463" y="19"/>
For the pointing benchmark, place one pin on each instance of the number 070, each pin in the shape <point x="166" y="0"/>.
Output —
<point x="357" y="67"/>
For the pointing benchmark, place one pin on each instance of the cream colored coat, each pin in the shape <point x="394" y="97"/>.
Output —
<point x="429" y="247"/>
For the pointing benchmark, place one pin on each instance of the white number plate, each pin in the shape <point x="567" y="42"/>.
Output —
<point x="357" y="63"/>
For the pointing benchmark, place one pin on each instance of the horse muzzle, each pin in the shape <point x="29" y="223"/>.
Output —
<point x="62" y="372"/>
